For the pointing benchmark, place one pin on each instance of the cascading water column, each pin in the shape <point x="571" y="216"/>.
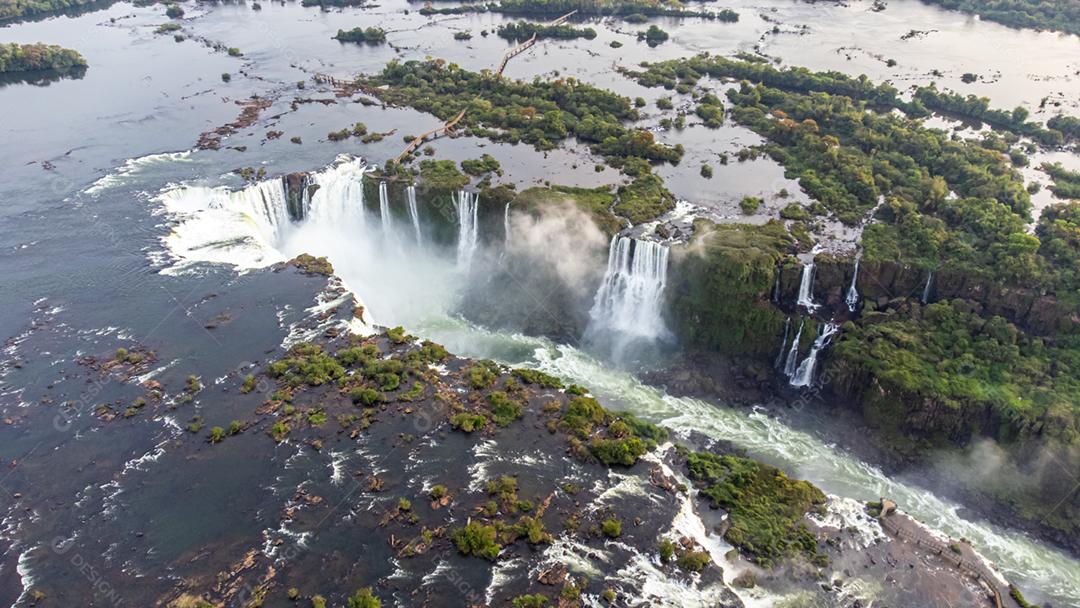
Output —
<point x="414" y="213"/>
<point x="506" y="224"/>
<point x="792" y="361"/>
<point x="783" y="344"/>
<point x="806" y="288"/>
<point x="465" y="204"/>
<point x="805" y="374"/>
<point x="852" y="298"/>
<point x="384" y="212"/>
<point x="926" y="289"/>
<point x="628" y="306"/>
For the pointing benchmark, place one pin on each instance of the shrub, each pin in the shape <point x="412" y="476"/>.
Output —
<point x="750" y="204"/>
<point x="318" y="601"/>
<point x="234" y="52"/>
<point x="316" y="417"/>
<point x="694" y="561"/>
<point x="217" y="434"/>
<point x="364" y="598"/>
<point x="249" y="384"/>
<point x="537" y="377"/>
<point x="468" y="422"/>
<point x="174" y="11"/>
<point x="795" y="211"/>
<point x="706" y="171"/>
<point x="235" y="427"/>
<point x="463" y="35"/>
<point x="535" y="600"/>
<point x="365" y="396"/>
<point x="667" y="550"/>
<point x="439" y="492"/>
<point x="625" y="451"/>
<point x="279" y="431"/>
<point x="611" y="527"/>
<point x="478" y="540"/>
<point x="503" y="409"/>
<point x="483" y="374"/>
<point x="664" y="103"/>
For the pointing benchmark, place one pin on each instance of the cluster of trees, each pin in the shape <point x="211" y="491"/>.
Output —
<point x="19" y="9"/>
<point x="978" y="108"/>
<point x="685" y="73"/>
<point x="653" y="36"/>
<point x="1036" y="14"/>
<point x="369" y="35"/>
<point x="34" y="57"/>
<point x="1066" y="183"/>
<point x="944" y="373"/>
<point x="523" y="30"/>
<point x="541" y="113"/>
<point x="650" y="8"/>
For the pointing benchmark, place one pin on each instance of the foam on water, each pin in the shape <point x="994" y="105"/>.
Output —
<point x="1023" y="560"/>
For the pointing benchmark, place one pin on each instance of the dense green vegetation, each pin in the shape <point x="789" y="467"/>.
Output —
<point x="961" y="376"/>
<point x="1059" y="15"/>
<point x="765" y="506"/>
<point x="370" y="35"/>
<point x="18" y="9"/>
<point x="625" y="8"/>
<point x="653" y="36"/>
<point x="541" y="113"/>
<point x="523" y="30"/>
<point x="835" y="135"/>
<point x="1066" y="183"/>
<point x="32" y="57"/>
<point x="735" y="264"/>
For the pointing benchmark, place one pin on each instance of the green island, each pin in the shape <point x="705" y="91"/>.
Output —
<point x="369" y="35"/>
<point x="540" y="113"/>
<point x="523" y="30"/>
<point x="37" y="57"/>
<point x="1057" y="15"/>
<point x="11" y="10"/>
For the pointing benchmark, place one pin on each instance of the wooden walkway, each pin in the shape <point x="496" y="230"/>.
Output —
<point x="445" y="129"/>
<point x="921" y="538"/>
<point x="521" y="48"/>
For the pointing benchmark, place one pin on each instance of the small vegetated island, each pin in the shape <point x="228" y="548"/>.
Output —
<point x="1057" y="15"/>
<point x="20" y="9"/>
<point x="16" y="58"/>
<point x="523" y="30"/>
<point x="369" y="35"/>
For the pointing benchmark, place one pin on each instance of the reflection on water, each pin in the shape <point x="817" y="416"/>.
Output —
<point x="41" y="78"/>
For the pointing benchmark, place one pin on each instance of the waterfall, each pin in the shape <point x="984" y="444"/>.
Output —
<point x="783" y="343"/>
<point x="776" y="288"/>
<point x="806" y="288"/>
<point x="384" y="211"/>
<point x="805" y="374"/>
<point x="465" y="203"/>
<point x="792" y="361"/>
<point x="926" y="289"/>
<point x="852" y="298"/>
<point x="414" y="213"/>
<point x="629" y="302"/>
<point x="506" y="224"/>
<point x="338" y="198"/>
